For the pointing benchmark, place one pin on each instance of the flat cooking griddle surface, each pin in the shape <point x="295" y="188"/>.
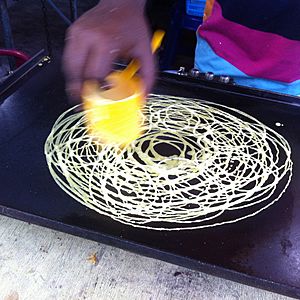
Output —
<point x="263" y="251"/>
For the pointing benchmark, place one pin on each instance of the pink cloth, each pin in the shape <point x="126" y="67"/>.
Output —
<point x="256" y="53"/>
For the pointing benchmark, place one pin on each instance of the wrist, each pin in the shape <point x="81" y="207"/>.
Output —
<point x="118" y="4"/>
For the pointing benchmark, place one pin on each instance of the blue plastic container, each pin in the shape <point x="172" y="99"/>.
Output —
<point x="195" y="7"/>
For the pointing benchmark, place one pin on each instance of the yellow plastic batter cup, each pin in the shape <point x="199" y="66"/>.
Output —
<point x="114" y="115"/>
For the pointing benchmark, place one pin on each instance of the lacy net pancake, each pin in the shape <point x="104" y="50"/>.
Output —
<point x="198" y="164"/>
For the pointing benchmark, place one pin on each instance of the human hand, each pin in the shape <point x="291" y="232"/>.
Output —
<point x="113" y="29"/>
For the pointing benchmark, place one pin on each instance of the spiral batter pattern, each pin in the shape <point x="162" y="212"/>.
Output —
<point x="198" y="164"/>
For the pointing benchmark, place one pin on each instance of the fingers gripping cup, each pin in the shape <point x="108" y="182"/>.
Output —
<point x="113" y="114"/>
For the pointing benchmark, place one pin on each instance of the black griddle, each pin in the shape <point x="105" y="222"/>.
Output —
<point x="262" y="251"/>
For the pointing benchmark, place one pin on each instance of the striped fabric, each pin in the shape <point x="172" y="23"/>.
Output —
<point x="256" y="42"/>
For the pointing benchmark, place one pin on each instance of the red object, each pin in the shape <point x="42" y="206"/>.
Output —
<point x="20" y="57"/>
